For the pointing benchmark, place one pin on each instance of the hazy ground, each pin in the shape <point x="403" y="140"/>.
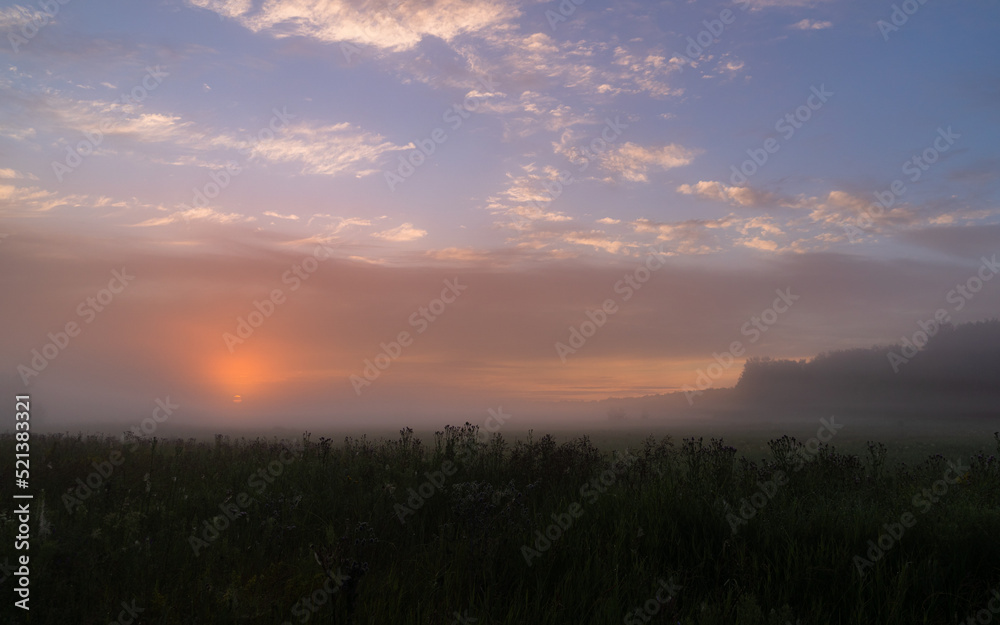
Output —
<point x="909" y="438"/>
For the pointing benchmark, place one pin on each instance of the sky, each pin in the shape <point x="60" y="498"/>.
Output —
<point x="322" y="209"/>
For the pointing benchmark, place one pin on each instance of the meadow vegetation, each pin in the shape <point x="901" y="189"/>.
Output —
<point x="479" y="529"/>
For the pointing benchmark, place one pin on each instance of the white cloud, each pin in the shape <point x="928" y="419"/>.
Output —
<point x="526" y="197"/>
<point x="693" y="236"/>
<point x="632" y="162"/>
<point x="201" y="214"/>
<point x="335" y="225"/>
<point x="807" y="24"/>
<point x="741" y="196"/>
<point x="759" y="244"/>
<point x="14" y="17"/>
<point x="32" y="198"/>
<point x="405" y="232"/>
<point x="459" y="254"/>
<point x="327" y="150"/>
<point x="280" y="216"/>
<point x="13" y="174"/>
<point x="597" y="240"/>
<point x="398" y="27"/>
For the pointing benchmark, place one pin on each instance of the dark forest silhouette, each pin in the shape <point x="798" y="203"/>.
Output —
<point x="957" y="371"/>
<point x="958" y="366"/>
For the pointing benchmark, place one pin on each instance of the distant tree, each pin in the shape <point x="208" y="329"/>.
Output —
<point x="954" y="361"/>
<point x="617" y="414"/>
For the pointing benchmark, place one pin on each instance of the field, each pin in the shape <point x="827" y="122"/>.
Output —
<point x="465" y="527"/>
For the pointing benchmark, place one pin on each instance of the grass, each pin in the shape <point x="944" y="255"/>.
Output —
<point x="313" y="532"/>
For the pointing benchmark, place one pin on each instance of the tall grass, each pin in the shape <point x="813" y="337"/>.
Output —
<point x="331" y="517"/>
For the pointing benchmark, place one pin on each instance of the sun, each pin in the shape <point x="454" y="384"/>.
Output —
<point x="237" y="375"/>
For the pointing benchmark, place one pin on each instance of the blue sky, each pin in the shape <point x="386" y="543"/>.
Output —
<point x="362" y="92"/>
